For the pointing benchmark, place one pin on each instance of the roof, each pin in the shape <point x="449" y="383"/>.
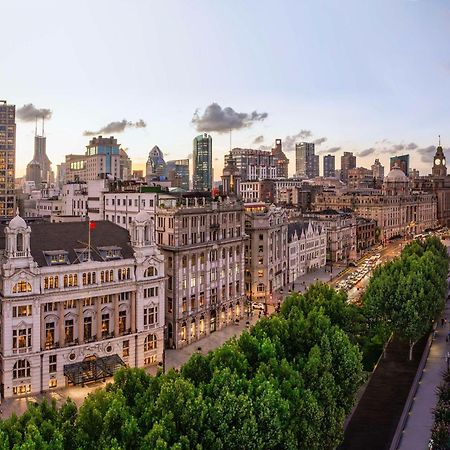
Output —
<point x="301" y="227"/>
<point x="68" y="236"/>
<point x="396" y="175"/>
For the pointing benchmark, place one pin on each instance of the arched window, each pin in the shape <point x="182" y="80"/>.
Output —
<point x="21" y="286"/>
<point x="19" y="242"/>
<point x="84" y="278"/>
<point x="193" y="328"/>
<point x="150" y="342"/>
<point x="75" y="279"/>
<point x="151" y="271"/>
<point x="21" y="369"/>
<point x="111" y="275"/>
<point x="66" y="281"/>
<point x="102" y="276"/>
<point x="194" y="260"/>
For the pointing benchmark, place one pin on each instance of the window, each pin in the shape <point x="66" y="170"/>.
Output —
<point x="126" y="348"/>
<point x="53" y="383"/>
<point x="184" y="305"/>
<point x="169" y="304"/>
<point x="150" y="342"/>
<point x="22" y="311"/>
<point x="68" y="330"/>
<point x="21" y="369"/>
<point x="151" y="292"/>
<point x="105" y="325"/>
<point x="69" y="304"/>
<point x="89" y="278"/>
<point x="192" y="302"/>
<point x="49" y="335"/>
<point x="150" y="272"/>
<point x="52" y="366"/>
<point x="88" y="301"/>
<point x="184" y="262"/>
<point x="88" y="327"/>
<point x="150" y="316"/>
<point x="51" y="282"/>
<point x="48" y="307"/>
<point x="152" y="359"/>
<point x="21" y="286"/>
<point x="122" y="321"/>
<point x="22" y="338"/>
<point x="124" y="273"/>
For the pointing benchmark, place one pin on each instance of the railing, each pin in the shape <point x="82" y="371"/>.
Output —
<point x="395" y="444"/>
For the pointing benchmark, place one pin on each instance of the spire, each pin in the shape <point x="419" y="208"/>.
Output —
<point x="35" y="127"/>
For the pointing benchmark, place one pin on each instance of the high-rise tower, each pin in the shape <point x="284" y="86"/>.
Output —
<point x="202" y="163"/>
<point x="7" y="158"/>
<point x="306" y="161"/>
<point x="39" y="169"/>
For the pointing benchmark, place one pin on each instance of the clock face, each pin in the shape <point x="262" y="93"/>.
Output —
<point x="437" y="161"/>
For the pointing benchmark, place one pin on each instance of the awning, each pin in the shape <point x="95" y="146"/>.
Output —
<point x="93" y="369"/>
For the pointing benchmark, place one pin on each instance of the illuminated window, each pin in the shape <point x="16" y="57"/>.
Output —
<point x="150" y="342"/>
<point x="21" y="286"/>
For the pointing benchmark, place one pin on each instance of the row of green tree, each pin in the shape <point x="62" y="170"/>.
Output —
<point x="440" y="433"/>
<point x="406" y="295"/>
<point x="288" y="383"/>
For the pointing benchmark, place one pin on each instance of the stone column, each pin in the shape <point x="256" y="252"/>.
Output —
<point x="62" y="336"/>
<point x="43" y="329"/>
<point x="116" y="314"/>
<point x="98" y="307"/>
<point x="80" y="321"/>
<point x="133" y="312"/>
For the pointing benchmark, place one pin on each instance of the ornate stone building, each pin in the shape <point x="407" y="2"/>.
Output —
<point x="71" y="313"/>
<point x="307" y="247"/>
<point x="397" y="209"/>
<point x="266" y="252"/>
<point x="203" y="244"/>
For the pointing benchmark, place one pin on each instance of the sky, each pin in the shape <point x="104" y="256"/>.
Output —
<point x="371" y="77"/>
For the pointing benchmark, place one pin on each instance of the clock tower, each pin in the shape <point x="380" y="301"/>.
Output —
<point x="439" y="167"/>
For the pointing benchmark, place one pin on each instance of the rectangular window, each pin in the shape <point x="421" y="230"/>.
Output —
<point x="22" y="338"/>
<point x="105" y="325"/>
<point x="122" y="321"/>
<point x="126" y="348"/>
<point x="22" y="311"/>
<point x="52" y="366"/>
<point x="150" y="316"/>
<point x="87" y="328"/>
<point x="68" y="330"/>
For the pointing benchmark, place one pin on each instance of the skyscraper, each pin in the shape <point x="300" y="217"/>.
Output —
<point x="282" y="160"/>
<point x="377" y="170"/>
<point x="177" y="172"/>
<point x="306" y="161"/>
<point x="39" y="169"/>
<point x="348" y="161"/>
<point x="156" y="166"/>
<point x="7" y="158"/>
<point x="202" y="163"/>
<point x="329" y="166"/>
<point x="402" y="162"/>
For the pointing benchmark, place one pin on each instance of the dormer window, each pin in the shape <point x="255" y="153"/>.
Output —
<point x="82" y="254"/>
<point x="110" y="252"/>
<point x="56" y="257"/>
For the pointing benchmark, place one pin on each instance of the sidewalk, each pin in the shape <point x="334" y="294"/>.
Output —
<point x="417" y="432"/>
<point x="176" y="358"/>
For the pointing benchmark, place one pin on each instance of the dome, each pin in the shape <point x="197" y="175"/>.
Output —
<point x="396" y="175"/>
<point x="142" y="216"/>
<point x="17" y="222"/>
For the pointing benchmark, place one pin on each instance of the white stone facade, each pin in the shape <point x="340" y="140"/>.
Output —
<point x="62" y="305"/>
<point x="307" y="244"/>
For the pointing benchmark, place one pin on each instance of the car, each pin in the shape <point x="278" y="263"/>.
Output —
<point x="258" y="306"/>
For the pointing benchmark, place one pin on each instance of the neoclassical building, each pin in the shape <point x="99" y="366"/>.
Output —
<point x="266" y="252"/>
<point x="203" y="245"/>
<point x="73" y="313"/>
<point x="397" y="209"/>
<point x="307" y="244"/>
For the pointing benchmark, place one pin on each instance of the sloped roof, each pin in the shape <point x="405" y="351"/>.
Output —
<point x="47" y="237"/>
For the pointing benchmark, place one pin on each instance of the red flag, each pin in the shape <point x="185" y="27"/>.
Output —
<point x="92" y="225"/>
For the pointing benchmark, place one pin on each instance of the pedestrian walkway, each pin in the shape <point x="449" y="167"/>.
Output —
<point x="174" y="359"/>
<point x="417" y="432"/>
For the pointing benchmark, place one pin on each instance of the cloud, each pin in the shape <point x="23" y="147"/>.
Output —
<point x="116" y="127"/>
<point x="329" y="150"/>
<point x="259" y="139"/>
<point x="28" y="113"/>
<point x="222" y="120"/>
<point x="412" y="146"/>
<point x="290" y="141"/>
<point x="320" y="141"/>
<point x="366" y="152"/>
<point x="426" y="153"/>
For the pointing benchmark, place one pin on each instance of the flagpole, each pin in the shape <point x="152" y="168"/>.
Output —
<point x="89" y="241"/>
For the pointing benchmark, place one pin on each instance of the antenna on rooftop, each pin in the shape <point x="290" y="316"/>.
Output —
<point x="439" y="139"/>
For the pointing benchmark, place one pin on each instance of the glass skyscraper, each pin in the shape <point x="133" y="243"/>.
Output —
<point x="202" y="163"/>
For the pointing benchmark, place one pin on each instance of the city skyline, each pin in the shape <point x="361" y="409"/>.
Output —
<point x="376" y="96"/>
